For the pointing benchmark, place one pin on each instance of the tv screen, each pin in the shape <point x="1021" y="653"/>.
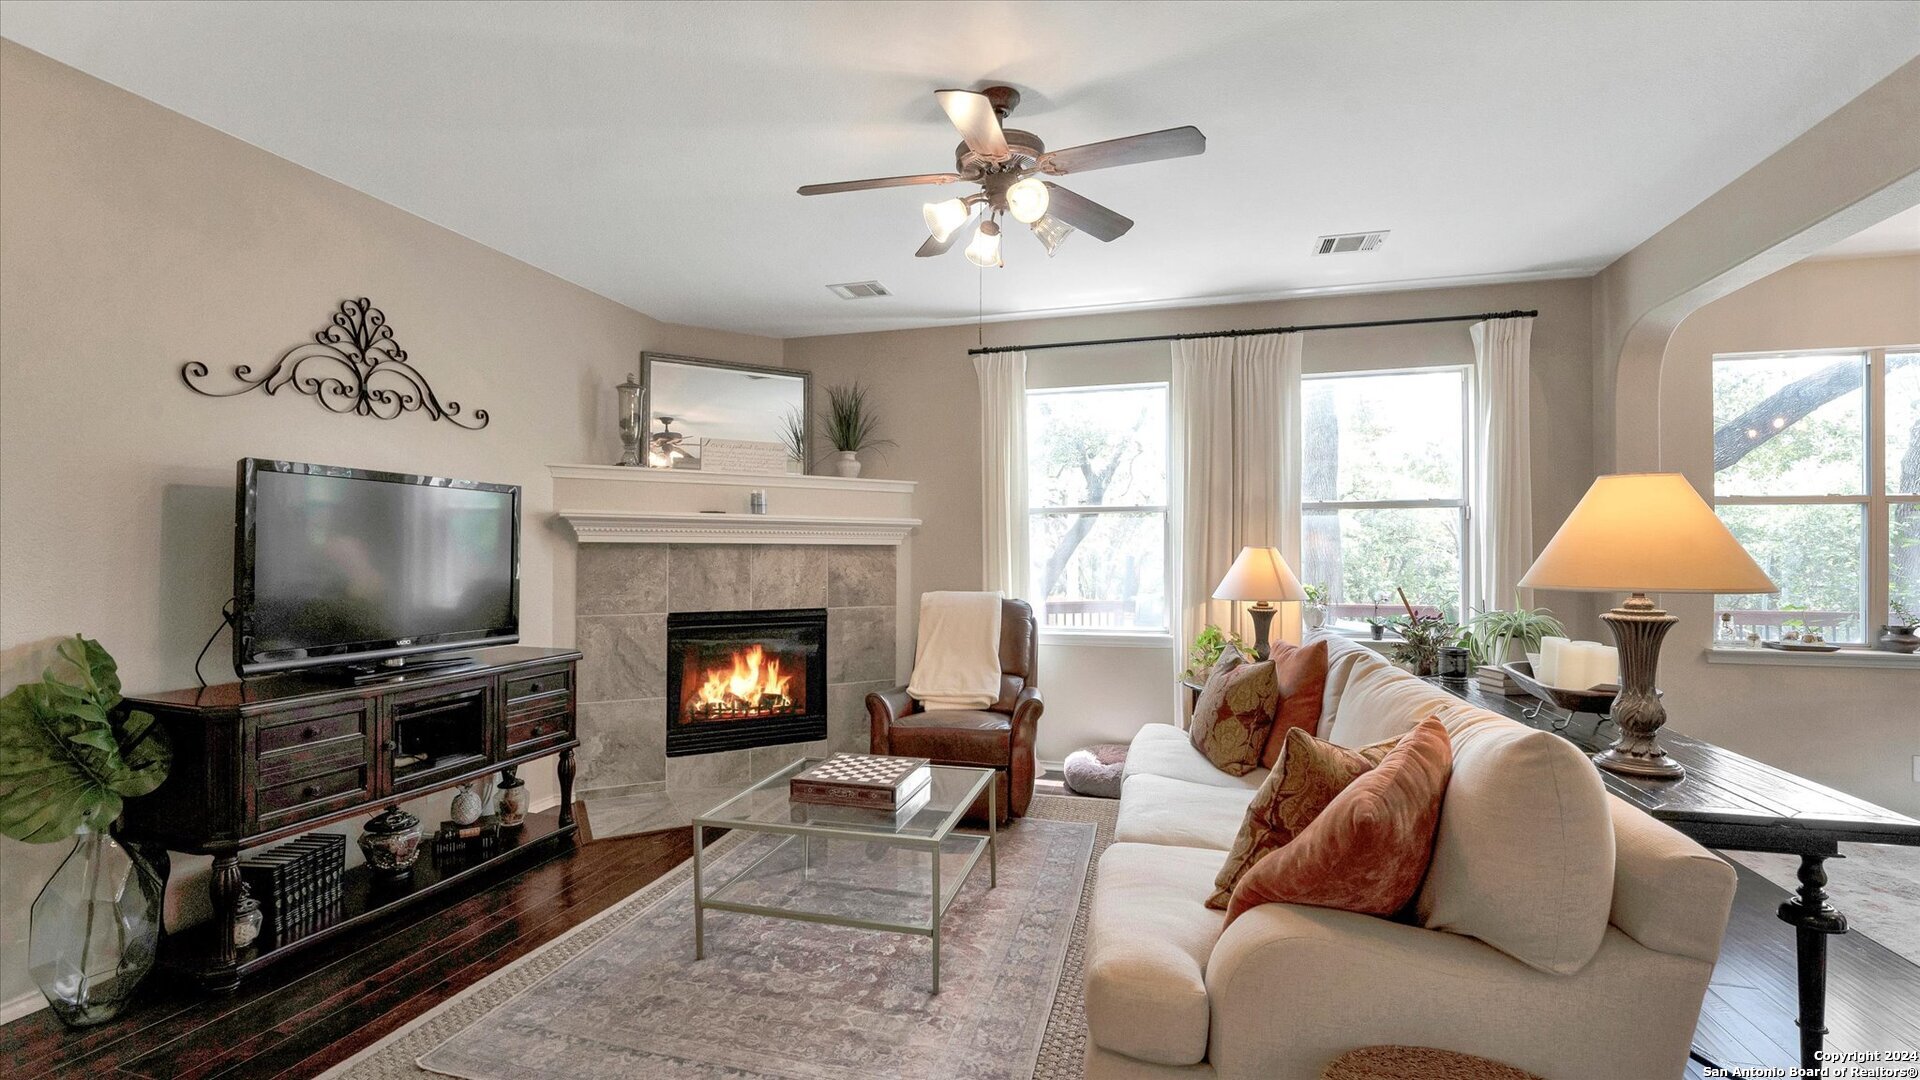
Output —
<point x="334" y="566"/>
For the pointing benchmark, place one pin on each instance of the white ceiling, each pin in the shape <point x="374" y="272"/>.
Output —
<point x="1898" y="235"/>
<point x="650" y="151"/>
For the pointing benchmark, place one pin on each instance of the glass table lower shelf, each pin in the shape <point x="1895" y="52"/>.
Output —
<point x="900" y="878"/>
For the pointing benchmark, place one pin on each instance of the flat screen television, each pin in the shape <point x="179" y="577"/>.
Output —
<point x="339" y="567"/>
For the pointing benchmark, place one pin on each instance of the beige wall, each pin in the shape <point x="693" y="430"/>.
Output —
<point x="923" y="383"/>
<point x="136" y="240"/>
<point x="1854" y="728"/>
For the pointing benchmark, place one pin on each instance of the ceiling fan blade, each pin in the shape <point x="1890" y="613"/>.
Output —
<point x="973" y="114"/>
<point x="936" y="247"/>
<point x="1132" y="150"/>
<point x="880" y="182"/>
<point x="1086" y="215"/>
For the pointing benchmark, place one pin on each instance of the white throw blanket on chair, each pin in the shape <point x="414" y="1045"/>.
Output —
<point x="956" y="663"/>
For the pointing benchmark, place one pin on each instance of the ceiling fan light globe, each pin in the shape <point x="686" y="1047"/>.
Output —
<point x="1027" y="200"/>
<point x="984" y="250"/>
<point x="1052" y="232"/>
<point x="944" y="218"/>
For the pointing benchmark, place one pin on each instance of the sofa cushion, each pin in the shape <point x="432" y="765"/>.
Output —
<point x="955" y="735"/>
<point x="1179" y="813"/>
<point x="1165" y="750"/>
<point x="1148" y="938"/>
<point x="1346" y="660"/>
<point x="1309" y="774"/>
<point x="1368" y="850"/>
<point x="1524" y="857"/>
<point x="1302" y="672"/>
<point x="1234" y="714"/>
<point x="1381" y="701"/>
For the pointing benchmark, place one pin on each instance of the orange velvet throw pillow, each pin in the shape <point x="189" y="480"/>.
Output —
<point x="1308" y="775"/>
<point x="1302" y="671"/>
<point x="1368" y="850"/>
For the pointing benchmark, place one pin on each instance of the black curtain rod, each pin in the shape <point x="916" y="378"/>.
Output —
<point x="1262" y="330"/>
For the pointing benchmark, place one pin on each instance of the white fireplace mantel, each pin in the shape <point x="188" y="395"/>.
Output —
<point x="609" y="504"/>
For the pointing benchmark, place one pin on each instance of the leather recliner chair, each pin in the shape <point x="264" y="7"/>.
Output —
<point x="999" y="737"/>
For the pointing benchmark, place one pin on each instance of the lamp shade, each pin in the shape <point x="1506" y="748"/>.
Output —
<point x="1259" y="573"/>
<point x="1645" y="532"/>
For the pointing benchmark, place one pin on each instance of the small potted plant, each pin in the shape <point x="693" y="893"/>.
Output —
<point x="1494" y="634"/>
<point x="1897" y="635"/>
<point x="1378" y="628"/>
<point x="1208" y="644"/>
<point x="794" y="436"/>
<point x="1315" y="615"/>
<point x="1421" y="639"/>
<point x="70" y="756"/>
<point x="851" y="427"/>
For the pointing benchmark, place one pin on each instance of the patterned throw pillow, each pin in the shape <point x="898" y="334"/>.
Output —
<point x="1369" y="849"/>
<point x="1234" y="714"/>
<point x="1308" y="774"/>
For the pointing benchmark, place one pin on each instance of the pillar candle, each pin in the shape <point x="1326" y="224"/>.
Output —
<point x="1551" y="650"/>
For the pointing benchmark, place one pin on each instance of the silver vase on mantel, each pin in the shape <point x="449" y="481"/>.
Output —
<point x="633" y="422"/>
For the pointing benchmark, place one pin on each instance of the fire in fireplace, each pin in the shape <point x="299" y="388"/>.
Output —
<point x="745" y="678"/>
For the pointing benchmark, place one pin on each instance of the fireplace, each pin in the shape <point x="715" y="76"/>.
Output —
<point x="737" y="679"/>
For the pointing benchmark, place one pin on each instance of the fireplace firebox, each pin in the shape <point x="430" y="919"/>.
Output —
<point x="745" y="678"/>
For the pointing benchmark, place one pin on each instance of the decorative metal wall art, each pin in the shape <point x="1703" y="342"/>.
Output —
<point x="353" y="365"/>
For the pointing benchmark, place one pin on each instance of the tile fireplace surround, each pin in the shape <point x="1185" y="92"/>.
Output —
<point x="650" y="544"/>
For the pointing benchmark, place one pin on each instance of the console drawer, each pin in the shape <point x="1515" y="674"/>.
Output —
<point x="525" y="731"/>
<point x="297" y="799"/>
<point x="313" y="729"/>
<point x="302" y="762"/>
<point x="538" y="684"/>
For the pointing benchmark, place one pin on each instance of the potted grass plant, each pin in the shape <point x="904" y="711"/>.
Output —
<point x="851" y="426"/>
<point x="1493" y="635"/>
<point x="70" y="755"/>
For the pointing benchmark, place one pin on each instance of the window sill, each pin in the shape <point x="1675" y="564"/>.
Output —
<point x="1107" y="639"/>
<point x="1849" y="658"/>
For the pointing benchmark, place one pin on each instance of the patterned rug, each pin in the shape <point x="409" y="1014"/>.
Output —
<point x="621" y="996"/>
<point x="1874" y="886"/>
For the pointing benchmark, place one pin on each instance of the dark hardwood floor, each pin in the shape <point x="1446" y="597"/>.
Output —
<point x="300" y="1018"/>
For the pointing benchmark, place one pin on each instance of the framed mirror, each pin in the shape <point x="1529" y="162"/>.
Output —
<point x="690" y="400"/>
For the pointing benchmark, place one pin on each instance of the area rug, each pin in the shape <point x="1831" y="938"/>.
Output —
<point x="621" y="996"/>
<point x="1874" y="886"/>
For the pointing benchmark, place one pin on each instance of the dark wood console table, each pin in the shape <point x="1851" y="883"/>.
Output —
<point x="1727" y="800"/>
<point x="259" y="761"/>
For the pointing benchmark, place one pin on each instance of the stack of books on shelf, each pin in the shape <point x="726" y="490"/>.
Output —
<point x="298" y="882"/>
<point x="1495" y="680"/>
<point x="861" y="789"/>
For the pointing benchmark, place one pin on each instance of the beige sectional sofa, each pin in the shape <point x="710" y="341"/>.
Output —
<point x="1560" y="930"/>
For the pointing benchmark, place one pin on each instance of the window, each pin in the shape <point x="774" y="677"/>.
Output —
<point x="1816" y="470"/>
<point x="1383" y="492"/>
<point x="1097" y="498"/>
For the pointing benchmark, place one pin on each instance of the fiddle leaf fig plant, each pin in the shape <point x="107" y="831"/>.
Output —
<point x="69" y="755"/>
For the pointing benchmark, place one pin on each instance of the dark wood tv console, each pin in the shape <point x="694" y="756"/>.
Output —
<point x="259" y="761"/>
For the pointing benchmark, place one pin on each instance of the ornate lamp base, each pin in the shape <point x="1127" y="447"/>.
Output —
<point x="1638" y="628"/>
<point x="1262" y="614"/>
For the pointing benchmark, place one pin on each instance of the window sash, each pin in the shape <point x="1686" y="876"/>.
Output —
<point x="1876" y="500"/>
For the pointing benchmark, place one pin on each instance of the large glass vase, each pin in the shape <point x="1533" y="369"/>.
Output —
<point x="94" y="929"/>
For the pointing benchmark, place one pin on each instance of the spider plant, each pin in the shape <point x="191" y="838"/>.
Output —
<point x="850" y="421"/>
<point x="1493" y="634"/>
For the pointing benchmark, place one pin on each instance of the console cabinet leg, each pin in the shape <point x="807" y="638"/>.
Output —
<point x="1813" y="920"/>
<point x="224" y="890"/>
<point x="566" y="786"/>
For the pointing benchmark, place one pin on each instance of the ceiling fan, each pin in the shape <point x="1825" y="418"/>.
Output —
<point x="1009" y="165"/>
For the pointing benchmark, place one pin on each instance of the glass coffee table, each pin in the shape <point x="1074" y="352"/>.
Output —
<point x="876" y="876"/>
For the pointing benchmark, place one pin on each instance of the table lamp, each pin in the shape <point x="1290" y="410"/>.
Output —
<point x="1261" y="575"/>
<point x="1643" y="533"/>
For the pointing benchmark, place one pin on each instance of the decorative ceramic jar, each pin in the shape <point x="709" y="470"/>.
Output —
<point x="467" y="807"/>
<point x="846" y="463"/>
<point x="1455" y="662"/>
<point x="513" y="800"/>
<point x="247" y="918"/>
<point x="94" y="929"/>
<point x="1898" y="639"/>
<point x="391" y="842"/>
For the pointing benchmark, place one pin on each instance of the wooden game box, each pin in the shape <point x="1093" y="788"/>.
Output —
<point x="864" y="781"/>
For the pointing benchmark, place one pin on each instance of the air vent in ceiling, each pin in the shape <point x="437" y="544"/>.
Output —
<point x="1346" y="242"/>
<point x="858" y="290"/>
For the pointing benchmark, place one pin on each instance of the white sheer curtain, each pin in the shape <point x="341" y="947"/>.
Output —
<point x="1236" y="469"/>
<point x="1502" y="497"/>
<point x="1003" y="470"/>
